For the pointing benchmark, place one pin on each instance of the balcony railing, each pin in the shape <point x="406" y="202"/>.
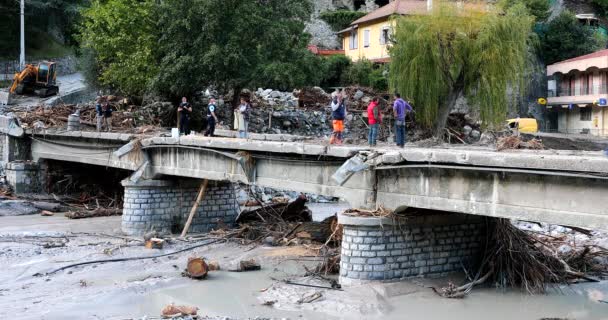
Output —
<point x="596" y="89"/>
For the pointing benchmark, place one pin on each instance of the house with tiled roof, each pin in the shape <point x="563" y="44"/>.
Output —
<point x="577" y="99"/>
<point x="368" y="37"/>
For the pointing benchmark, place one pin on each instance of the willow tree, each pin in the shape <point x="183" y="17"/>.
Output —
<point x="475" y="51"/>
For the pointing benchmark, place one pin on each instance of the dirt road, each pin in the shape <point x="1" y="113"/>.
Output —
<point x="68" y="84"/>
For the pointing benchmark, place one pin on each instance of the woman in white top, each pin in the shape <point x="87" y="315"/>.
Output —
<point x="241" y="118"/>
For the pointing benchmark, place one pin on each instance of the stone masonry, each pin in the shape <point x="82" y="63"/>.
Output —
<point x="23" y="176"/>
<point x="384" y="249"/>
<point x="164" y="205"/>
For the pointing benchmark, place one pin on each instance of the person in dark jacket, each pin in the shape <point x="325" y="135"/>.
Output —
<point x="184" y="109"/>
<point x="99" y="113"/>
<point x="338" y="114"/>
<point x="107" y="116"/>
<point x="211" y="118"/>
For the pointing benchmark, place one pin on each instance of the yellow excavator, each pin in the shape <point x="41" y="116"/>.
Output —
<point x="40" y="80"/>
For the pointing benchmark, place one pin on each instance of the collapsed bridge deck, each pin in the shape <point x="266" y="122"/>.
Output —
<point x="561" y="187"/>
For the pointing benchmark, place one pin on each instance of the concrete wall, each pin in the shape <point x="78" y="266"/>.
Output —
<point x="429" y="246"/>
<point x="164" y="206"/>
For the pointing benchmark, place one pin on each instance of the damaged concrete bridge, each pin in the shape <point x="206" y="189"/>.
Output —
<point x="560" y="187"/>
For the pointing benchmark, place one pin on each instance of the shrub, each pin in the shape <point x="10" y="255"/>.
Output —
<point x="334" y="69"/>
<point x="378" y="79"/>
<point x="358" y="73"/>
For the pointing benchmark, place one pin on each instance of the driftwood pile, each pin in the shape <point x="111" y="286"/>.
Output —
<point x="124" y="118"/>
<point x="516" y="142"/>
<point x="283" y="224"/>
<point x="380" y="212"/>
<point x="531" y="261"/>
<point x="291" y="224"/>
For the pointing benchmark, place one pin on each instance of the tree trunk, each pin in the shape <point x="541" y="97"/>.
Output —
<point x="197" y="268"/>
<point x="320" y="231"/>
<point x="293" y="211"/>
<point x="444" y="109"/>
<point x="101" y="212"/>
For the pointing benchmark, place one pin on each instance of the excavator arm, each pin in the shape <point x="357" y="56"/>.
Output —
<point x="28" y="71"/>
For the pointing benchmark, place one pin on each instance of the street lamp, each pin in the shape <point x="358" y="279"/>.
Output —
<point x="22" y="55"/>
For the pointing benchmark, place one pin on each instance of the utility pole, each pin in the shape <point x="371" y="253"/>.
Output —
<point x="22" y="55"/>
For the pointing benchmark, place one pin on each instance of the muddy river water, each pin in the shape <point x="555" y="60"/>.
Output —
<point x="137" y="289"/>
<point x="237" y="295"/>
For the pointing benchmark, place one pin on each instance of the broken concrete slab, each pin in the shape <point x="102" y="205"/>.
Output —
<point x="9" y="125"/>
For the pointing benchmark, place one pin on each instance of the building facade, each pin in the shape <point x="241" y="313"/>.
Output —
<point x="369" y="37"/>
<point x="577" y="95"/>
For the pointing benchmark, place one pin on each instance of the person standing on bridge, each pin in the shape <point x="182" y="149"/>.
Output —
<point x="400" y="109"/>
<point x="338" y="114"/>
<point x="211" y="118"/>
<point x="374" y="118"/>
<point x="98" y="113"/>
<point x="107" y="116"/>
<point x="241" y="118"/>
<point x="184" y="110"/>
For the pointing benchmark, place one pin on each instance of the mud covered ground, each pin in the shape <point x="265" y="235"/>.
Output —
<point x="140" y="289"/>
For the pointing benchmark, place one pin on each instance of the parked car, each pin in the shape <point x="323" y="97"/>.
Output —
<point x="524" y="125"/>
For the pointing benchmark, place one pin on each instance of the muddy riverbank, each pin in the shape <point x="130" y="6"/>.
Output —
<point x="138" y="289"/>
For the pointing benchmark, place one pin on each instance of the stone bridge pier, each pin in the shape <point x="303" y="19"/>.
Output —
<point x="164" y="205"/>
<point x="390" y="249"/>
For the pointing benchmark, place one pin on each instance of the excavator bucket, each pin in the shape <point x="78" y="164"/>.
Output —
<point x="5" y="98"/>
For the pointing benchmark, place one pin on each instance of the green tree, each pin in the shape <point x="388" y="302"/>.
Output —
<point x="537" y="8"/>
<point x="564" y="37"/>
<point x="45" y="21"/>
<point x="334" y="68"/>
<point x="340" y="19"/>
<point x="601" y="6"/>
<point x="359" y="73"/>
<point x="122" y="36"/>
<point x="233" y="44"/>
<point x="9" y="24"/>
<point x="453" y="52"/>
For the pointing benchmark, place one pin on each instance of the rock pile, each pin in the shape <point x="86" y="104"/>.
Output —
<point x="272" y="98"/>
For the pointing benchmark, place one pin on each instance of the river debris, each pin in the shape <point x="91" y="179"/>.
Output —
<point x="172" y="311"/>
<point x="154" y="243"/>
<point x="125" y="117"/>
<point x="269" y="303"/>
<point x="294" y="211"/>
<point x="46" y="213"/>
<point x="248" y="265"/>
<point x="531" y="261"/>
<point x="99" y="212"/>
<point x="196" y="268"/>
<point x="214" y="266"/>
<point x="380" y="212"/>
<point x="311" y="297"/>
<point x="516" y="142"/>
